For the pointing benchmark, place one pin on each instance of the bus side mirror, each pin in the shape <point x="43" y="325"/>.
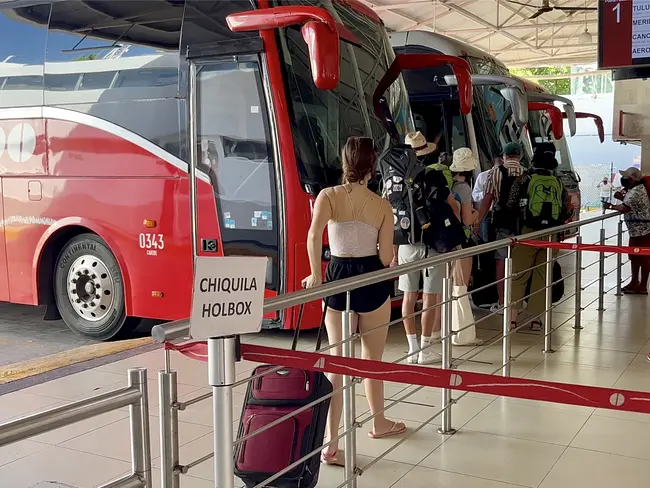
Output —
<point x="323" y="45"/>
<point x="518" y="102"/>
<point x="319" y="31"/>
<point x="571" y="118"/>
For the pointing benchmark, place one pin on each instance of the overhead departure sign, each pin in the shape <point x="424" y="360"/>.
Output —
<point x="228" y="296"/>
<point x="623" y="33"/>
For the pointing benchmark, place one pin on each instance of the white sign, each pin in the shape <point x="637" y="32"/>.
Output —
<point x="228" y="296"/>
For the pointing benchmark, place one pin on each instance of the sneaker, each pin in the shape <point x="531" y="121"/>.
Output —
<point x="429" y="357"/>
<point x="649" y="356"/>
<point x="496" y="308"/>
<point x="413" y="358"/>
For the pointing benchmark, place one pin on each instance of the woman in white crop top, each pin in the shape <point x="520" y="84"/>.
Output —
<point x="360" y="229"/>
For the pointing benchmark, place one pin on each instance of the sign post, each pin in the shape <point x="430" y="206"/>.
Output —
<point x="228" y="300"/>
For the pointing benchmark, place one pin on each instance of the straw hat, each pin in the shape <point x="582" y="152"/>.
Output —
<point x="463" y="161"/>
<point x="419" y="143"/>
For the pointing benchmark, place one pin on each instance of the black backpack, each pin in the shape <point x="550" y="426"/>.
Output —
<point x="401" y="173"/>
<point x="502" y="217"/>
<point x="441" y="230"/>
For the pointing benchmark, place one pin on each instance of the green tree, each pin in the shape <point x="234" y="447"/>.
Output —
<point x="559" y="86"/>
<point x="86" y="57"/>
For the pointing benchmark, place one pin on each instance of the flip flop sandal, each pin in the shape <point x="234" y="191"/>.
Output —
<point x="396" y="429"/>
<point x="536" y="326"/>
<point x="336" y="459"/>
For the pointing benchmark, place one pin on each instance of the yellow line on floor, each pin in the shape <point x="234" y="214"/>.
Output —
<point x="31" y="367"/>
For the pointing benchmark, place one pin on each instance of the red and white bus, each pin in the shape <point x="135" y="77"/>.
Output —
<point x="102" y="106"/>
<point x="117" y="118"/>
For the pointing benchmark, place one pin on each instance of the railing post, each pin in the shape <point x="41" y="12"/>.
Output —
<point x="446" y="428"/>
<point x="139" y="420"/>
<point x="619" y="261"/>
<point x="548" y="312"/>
<point x="168" y="398"/>
<point x="507" y="298"/>
<point x="578" y="288"/>
<point x="349" y="407"/>
<point x="601" y="273"/>
<point x="222" y="357"/>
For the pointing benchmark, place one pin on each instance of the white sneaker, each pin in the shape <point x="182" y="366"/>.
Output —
<point x="429" y="357"/>
<point x="496" y="308"/>
<point x="413" y="358"/>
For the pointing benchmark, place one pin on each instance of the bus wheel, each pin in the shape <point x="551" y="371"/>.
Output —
<point x="89" y="290"/>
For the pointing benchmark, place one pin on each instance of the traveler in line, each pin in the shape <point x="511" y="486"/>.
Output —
<point x="478" y="194"/>
<point x="360" y="226"/>
<point x="499" y="184"/>
<point x="636" y="210"/>
<point x="431" y="278"/>
<point x="541" y="201"/>
<point x="462" y="167"/>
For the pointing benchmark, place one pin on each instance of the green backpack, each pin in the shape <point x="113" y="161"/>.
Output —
<point x="545" y="201"/>
<point x="445" y="171"/>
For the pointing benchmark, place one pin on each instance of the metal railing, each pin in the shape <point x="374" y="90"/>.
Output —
<point x="134" y="395"/>
<point x="222" y="376"/>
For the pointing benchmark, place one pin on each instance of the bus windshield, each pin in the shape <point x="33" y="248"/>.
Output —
<point x="496" y="125"/>
<point x="323" y="120"/>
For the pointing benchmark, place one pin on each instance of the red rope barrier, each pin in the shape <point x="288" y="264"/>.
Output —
<point x="587" y="396"/>
<point x="641" y="251"/>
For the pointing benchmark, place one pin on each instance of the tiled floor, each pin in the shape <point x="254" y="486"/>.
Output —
<point x="500" y="443"/>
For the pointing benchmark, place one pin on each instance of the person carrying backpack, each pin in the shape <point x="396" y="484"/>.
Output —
<point x="541" y="202"/>
<point x="429" y="188"/>
<point x="495" y="202"/>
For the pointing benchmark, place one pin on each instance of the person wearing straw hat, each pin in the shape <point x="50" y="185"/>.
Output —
<point x="463" y="165"/>
<point x="409" y="284"/>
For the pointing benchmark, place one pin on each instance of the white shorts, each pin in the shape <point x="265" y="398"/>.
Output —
<point x="432" y="277"/>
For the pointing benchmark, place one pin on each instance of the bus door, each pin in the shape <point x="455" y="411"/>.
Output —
<point x="424" y="61"/>
<point x="232" y="148"/>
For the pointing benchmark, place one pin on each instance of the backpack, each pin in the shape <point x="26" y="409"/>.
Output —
<point x="545" y="201"/>
<point x="502" y="218"/>
<point x="400" y="172"/>
<point x="445" y="171"/>
<point x="441" y="230"/>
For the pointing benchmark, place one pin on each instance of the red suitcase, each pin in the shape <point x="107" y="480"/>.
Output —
<point x="269" y="398"/>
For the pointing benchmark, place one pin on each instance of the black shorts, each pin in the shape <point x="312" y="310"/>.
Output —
<point x="362" y="300"/>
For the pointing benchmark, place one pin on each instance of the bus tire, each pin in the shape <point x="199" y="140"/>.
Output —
<point x="89" y="289"/>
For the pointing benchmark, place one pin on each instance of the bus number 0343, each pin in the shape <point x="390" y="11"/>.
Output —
<point x="152" y="241"/>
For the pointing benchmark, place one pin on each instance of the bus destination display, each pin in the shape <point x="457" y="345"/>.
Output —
<point x="623" y="33"/>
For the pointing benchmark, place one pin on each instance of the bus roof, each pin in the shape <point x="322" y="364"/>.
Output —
<point x="438" y="42"/>
<point x="531" y="86"/>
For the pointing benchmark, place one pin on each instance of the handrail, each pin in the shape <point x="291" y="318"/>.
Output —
<point x="42" y="422"/>
<point x="134" y="395"/>
<point x="180" y="328"/>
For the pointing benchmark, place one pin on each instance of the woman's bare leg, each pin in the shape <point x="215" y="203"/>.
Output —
<point x="373" y="328"/>
<point x="334" y="335"/>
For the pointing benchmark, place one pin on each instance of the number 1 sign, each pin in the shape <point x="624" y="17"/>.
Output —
<point x="623" y="33"/>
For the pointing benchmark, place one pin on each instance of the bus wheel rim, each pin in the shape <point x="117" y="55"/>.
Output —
<point x="90" y="288"/>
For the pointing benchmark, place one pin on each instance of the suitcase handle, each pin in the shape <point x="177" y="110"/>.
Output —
<point x="319" y="337"/>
